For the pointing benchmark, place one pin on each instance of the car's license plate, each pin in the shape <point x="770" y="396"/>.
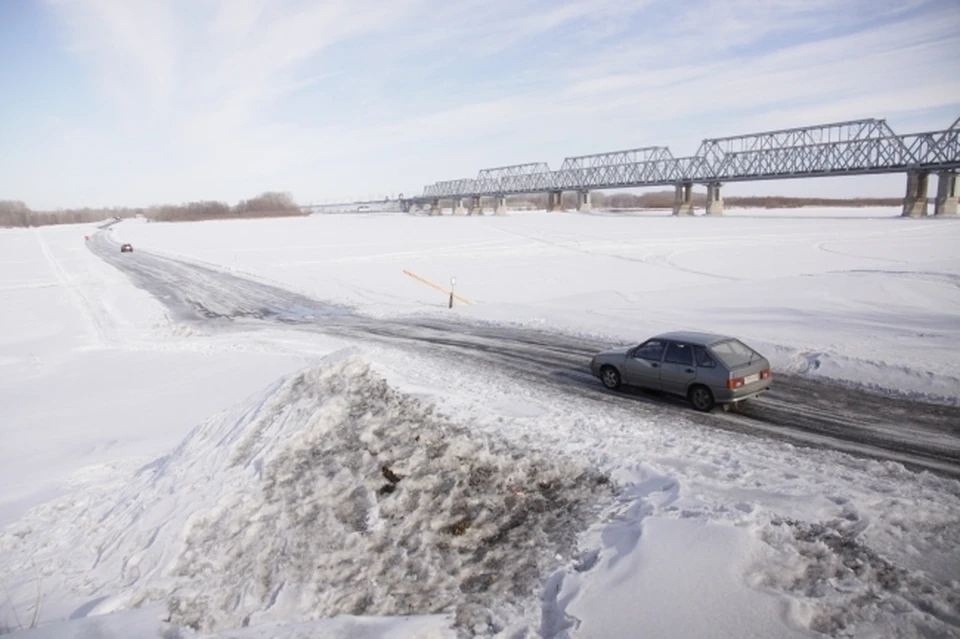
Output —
<point x="749" y="379"/>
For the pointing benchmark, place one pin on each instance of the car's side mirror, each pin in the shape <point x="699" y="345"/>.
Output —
<point x="632" y="351"/>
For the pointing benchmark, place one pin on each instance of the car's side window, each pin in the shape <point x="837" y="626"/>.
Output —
<point x="679" y="354"/>
<point x="652" y="350"/>
<point x="703" y="358"/>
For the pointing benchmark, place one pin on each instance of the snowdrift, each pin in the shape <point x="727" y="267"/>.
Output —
<point x="332" y="493"/>
<point x="333" y="501"/>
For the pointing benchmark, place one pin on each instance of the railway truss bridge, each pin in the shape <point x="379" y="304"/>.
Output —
<point x="857" y="147"/>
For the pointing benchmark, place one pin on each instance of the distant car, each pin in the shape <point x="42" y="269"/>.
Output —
<point x="126" y="248"/>
<point x="363" y="207"/>
<point x="705" y="368"/>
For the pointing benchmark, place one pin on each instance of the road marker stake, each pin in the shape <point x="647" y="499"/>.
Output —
<point x="439" y="288"/>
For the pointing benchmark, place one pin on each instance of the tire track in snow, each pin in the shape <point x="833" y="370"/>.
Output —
<point x="100" y="332"/>
<point x="935" y="277"/>
<point x="798" y="410"/>
<point x="822" y="246"/>
<point x="661" y="261"/>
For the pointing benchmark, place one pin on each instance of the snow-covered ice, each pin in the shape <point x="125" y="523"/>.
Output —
<point x="161" y="479"/>
<point x="856" y="295"/>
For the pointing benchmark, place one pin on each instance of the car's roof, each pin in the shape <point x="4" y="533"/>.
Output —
<point x="693" y="337"/>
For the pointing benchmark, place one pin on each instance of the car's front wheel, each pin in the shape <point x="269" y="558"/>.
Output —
<point x="610" y="377"/>
<point x="701" y="398"/>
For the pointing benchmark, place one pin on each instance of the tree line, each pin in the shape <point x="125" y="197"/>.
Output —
<point x="14" y="213"/>
<point x="664" y="200"/>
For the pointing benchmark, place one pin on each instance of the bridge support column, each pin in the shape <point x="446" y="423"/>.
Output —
<point x="555" y="201"/>
<point x="501" y="205"/>
<point x="683" y="199"/>
<point x="476" y="207"/>
<point x="714" y="199"/>
<point x="583" y="200"/>
<point x="946" y="202"/>
<point x="435" y="208"/>
<point x="915" y="200"/>
<point x="458" y="208"/>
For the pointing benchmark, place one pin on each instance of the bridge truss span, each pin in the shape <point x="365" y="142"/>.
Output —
<point x="853" y="147"/>
<point x="839" y="148"/>
<point x="531" y="177"/>
<point x="935" y="149"/>
<point x="797" y="137"/>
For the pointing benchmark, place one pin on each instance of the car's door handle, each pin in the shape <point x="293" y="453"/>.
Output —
<point x="690" y="370"/>
<point x="654" y="364"/>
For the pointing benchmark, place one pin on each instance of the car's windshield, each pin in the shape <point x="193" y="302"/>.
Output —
<point x="651" y="350"/>
<point x="734" y="353"/>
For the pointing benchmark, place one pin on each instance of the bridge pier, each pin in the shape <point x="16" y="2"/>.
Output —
<point x="476" y="207"/>
<point x="946" y="202"/>
<point x="583" y="200"/>
<point x="500" y="208"/>
<point x="915" y="200"/>
<point x="683" y="199"/>
<point x="435" y="208"/>
<point x="714" y="199"/>
<point x="458" y="208"/>
<point x="555" y="201"/>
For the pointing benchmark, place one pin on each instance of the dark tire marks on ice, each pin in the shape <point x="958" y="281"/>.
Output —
<point x="799" y="410"/>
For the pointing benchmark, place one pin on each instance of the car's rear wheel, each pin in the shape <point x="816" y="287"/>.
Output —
<point x="701" y="398"/>
<point x="610" y="377"/>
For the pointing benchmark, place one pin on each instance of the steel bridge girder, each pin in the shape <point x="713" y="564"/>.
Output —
<point x="853" y="147"/>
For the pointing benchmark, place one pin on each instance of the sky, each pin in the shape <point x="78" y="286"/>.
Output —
<point x="119" y="103"/>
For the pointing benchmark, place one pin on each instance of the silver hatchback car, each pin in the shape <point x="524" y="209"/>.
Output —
<point x="707" y="369"/>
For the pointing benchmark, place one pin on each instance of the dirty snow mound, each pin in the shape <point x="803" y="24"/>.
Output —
<point x="361" y="500"/>
<point x="838" y="585"/>
<point x="332" y="493"/>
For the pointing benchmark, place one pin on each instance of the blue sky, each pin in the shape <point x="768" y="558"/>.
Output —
<point x="116" y="102"/>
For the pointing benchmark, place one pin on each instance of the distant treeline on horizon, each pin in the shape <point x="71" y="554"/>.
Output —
<point x="14" y="213"/>
<point x="664" y="200"/>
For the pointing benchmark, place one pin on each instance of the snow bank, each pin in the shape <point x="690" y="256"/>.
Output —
<point x="650" y="562"/>
<point x="147" y="623"/>
<point x="332" y="493"/>
<point x="840" y="586"/>
<point x="92" y="371"/>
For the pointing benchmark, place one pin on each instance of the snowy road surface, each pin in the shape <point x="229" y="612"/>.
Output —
<point x="798" y="410"/>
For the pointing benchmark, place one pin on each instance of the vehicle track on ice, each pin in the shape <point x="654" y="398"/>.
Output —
<point x="798" y="410"/>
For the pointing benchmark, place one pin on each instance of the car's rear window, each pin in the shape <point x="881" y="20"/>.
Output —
<point x="703" y="358"/>
<point x="734" y="353"/>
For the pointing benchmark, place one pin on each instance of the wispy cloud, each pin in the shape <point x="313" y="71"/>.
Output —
<point x="222" y="98"/>
<point x="133" y="46"/>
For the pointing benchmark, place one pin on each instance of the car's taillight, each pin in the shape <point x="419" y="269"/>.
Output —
<point x="764" y="374"/>
<point x="734" y="383"/>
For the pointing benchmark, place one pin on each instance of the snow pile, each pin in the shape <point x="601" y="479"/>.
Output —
<point x="643" y="563"/>
<point x="146" y="623"/>
<point x="838" y="585"/>
<point x="332" y="493"/>
<point x="664" y="549"/>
